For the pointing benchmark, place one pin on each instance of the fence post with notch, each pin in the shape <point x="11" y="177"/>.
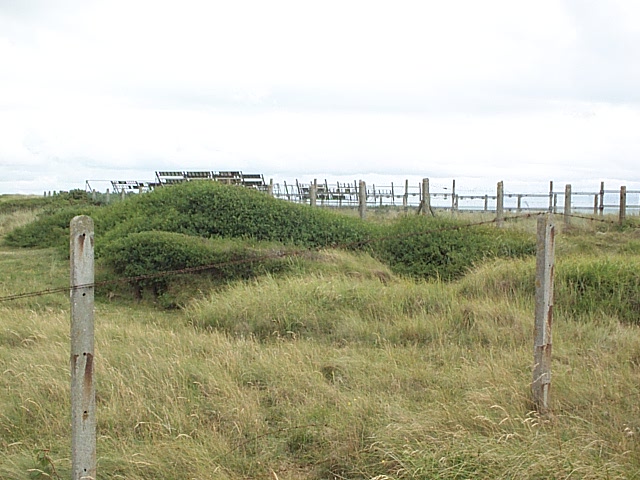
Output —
<point x="601" y="206"/>
<point x="83" y="401"/>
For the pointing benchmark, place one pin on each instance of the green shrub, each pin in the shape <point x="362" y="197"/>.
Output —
<point x="207" y="209"/>
<point x="446" y="249"/>
<point x="149" y="253"/>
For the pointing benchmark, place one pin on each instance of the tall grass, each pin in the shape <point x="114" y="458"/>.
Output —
<point x="338" y="369"/>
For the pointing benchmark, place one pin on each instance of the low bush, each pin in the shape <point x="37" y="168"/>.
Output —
<point x="446" y="249"/>
<point x="210" y="209"/>
<point x="149" y="253"/>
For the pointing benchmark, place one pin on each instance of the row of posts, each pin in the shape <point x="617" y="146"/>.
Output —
<point x="425" y="200"/>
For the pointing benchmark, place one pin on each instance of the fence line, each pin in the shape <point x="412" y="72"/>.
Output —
<point x="347" y="194"/>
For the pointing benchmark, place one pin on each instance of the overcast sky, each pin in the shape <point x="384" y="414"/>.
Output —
<point x="480" y="91"/>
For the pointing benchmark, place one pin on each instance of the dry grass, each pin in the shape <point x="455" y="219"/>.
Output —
<point x="396" y="380"/>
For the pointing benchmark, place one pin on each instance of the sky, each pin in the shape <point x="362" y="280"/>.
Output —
<point x="477" y="91"/>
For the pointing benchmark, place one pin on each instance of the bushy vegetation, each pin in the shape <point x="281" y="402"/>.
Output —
<point x="128" y="232"/>
<point x="442" y="248"/>
<point x="147" y="253"/>
<point x="209" y="209"/>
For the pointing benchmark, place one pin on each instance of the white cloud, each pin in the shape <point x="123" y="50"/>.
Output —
<point x="495" y="89"/>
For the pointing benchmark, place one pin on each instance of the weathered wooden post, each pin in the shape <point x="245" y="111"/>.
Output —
<point x="425" y="201"/>
<point x="362" y="197"/>
<point x="541" y="383"/>
<point x="551" y="196"/>
<point x="500" y="204"/>
<point x="108" y="196"/>
<point x="601" y="207"/>
<point x="270" y="188"/>
<point x="393" y="196"/>
<point x="313" y="192"/>
<point x="405" y="198"/>
<point x="486" y="203"/>
<point x="453" y="197"/>
<point x="83" y="402"/>
<point x="286" y="190"/>
<point x="595" y="204"/>
<point x="623" y="204"/>
<point x="519" y="207"/>
<point x="567" y="205"/>
<point x="122" y="194"/>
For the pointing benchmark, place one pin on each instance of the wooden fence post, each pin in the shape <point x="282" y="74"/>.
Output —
<point x="313" y="191"/>
<point x="270" y="188"/>
<point x="500" y="204"/>
<point x="362" y="197"/>
<point x="453" y="197"/>
<point x="595" y="204"/>
<point x="286" y="190"/>
<point x="405" y="198"/>
<point x="519" y="208"/>
<point x="83" y="401"/>
<point x="543" y="313"/>
<point x="623" y="204"/>
<point x="425" y="204"/>
<point x="601" y="207"/>
<point x="550" y="196"/>
<point x="567" y="205"/>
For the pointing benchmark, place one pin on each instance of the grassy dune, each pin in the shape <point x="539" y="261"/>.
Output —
<point x="334" y="369"/>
